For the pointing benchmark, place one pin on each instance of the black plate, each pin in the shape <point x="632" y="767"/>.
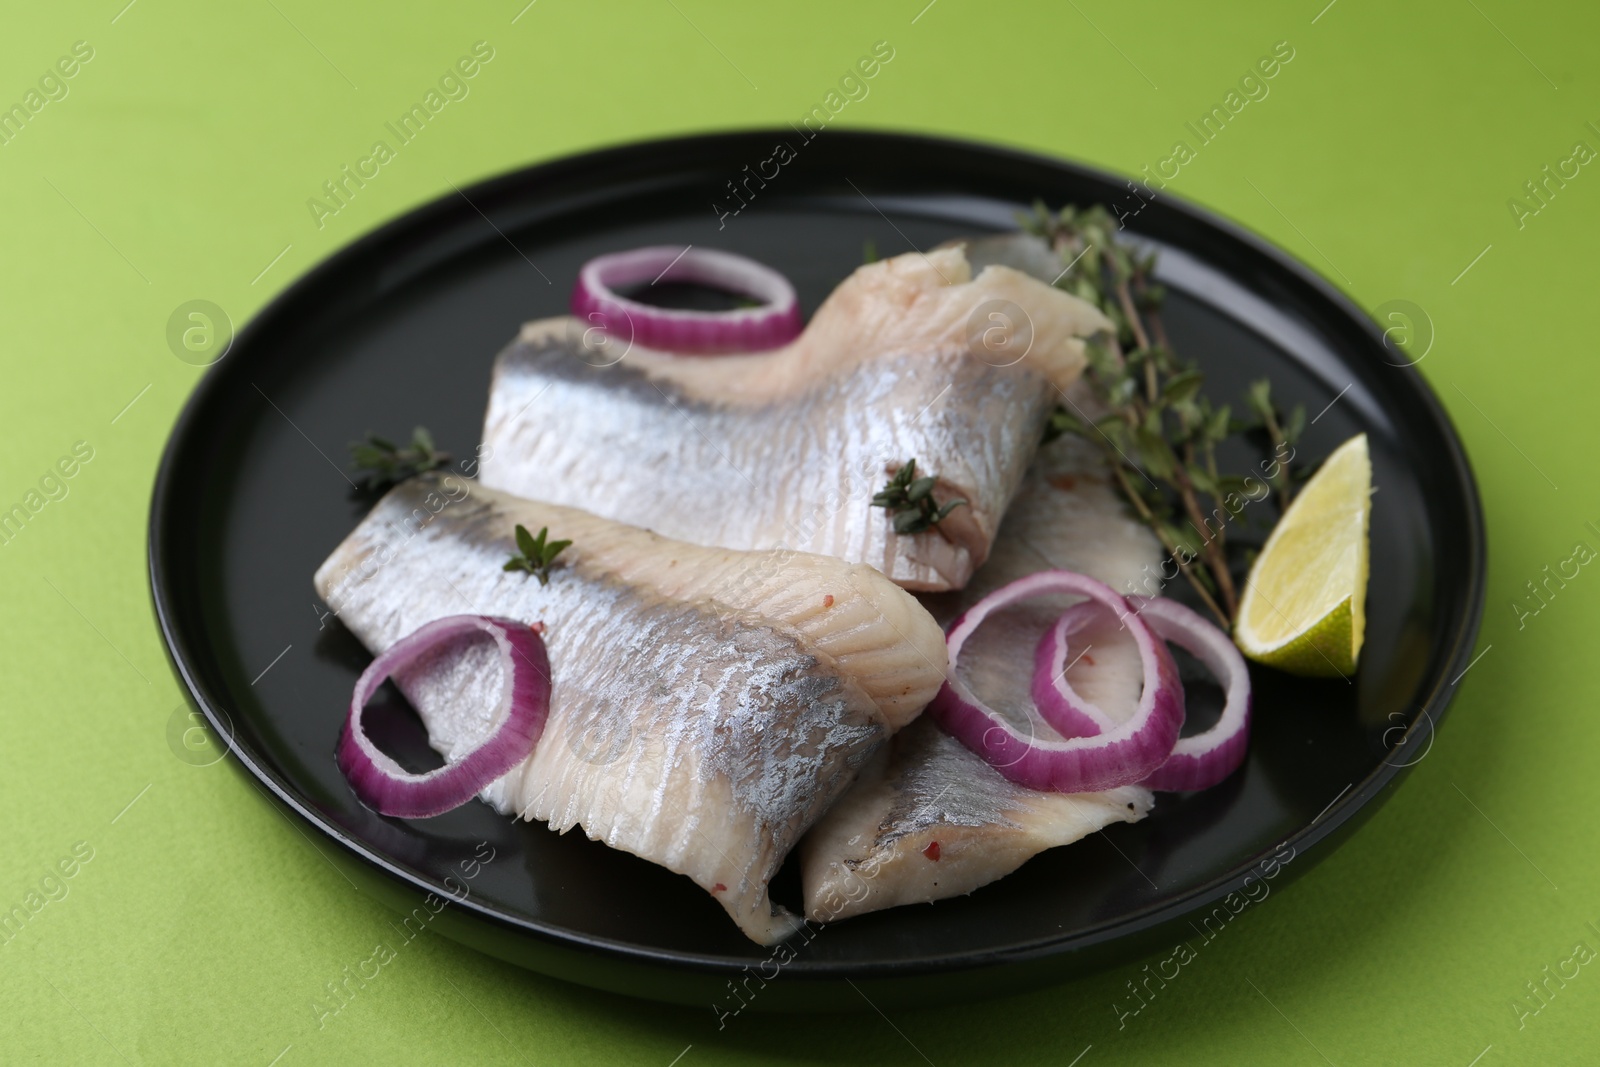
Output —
<point x="400" y="329"/>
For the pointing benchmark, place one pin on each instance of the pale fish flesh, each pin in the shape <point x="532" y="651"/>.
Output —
<point x="930" y="819"/>
<point x="909" y="358"/>
<point x="708" y="704"/>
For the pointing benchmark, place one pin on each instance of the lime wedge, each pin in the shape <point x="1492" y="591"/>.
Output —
<point x="1303" y="609"/>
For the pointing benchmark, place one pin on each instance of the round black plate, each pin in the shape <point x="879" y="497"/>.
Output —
<point x="400" y="330"/>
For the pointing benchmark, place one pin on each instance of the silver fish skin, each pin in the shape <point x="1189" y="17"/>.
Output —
<point x="939" y="822"/>
<point x="907" y="359"/>
<point x="707" y="704"/>
<point x="875" y="848"/>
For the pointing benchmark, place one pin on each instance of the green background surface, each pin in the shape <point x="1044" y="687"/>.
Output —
<point x="178" y="167"/>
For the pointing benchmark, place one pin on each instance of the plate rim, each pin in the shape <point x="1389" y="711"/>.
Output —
<point x="1343" y="816"/>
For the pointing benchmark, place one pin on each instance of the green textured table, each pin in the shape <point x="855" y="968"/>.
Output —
<point x="169" y="153"/>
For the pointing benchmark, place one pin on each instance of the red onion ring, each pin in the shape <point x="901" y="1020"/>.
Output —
<point x="776" y="322"/>
<point x="1201" y="761"/>
<point x="1196" y="762"/>
<point x="385" y="786"/>
<point x="1119" y="756"/>
<point x="1059" y="704"/>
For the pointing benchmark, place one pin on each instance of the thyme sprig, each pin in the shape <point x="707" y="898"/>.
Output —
<point x="382" y="463"/>
<point x="537" y="554"/>
<point x="909" y="501"/>
<point x="1159" y="431"/>
<point x="1280" y="432"/>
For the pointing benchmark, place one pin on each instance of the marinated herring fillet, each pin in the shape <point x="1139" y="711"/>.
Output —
<point x="707" y="704"/>
<point x="928" y="818"/>
<point x="909" y="358"/>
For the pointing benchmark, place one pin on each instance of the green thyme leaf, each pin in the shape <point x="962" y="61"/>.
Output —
<point x="1220" y="424"/>
<point x="382" y="463"/>
<point x="537" y="555"/>
<point x="1296" y="424"/>
<point x="1183" y="386"/>
<point x="1259" y="398"/>
<point x="910" y="502"/>
<point x="530" y="547"/>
